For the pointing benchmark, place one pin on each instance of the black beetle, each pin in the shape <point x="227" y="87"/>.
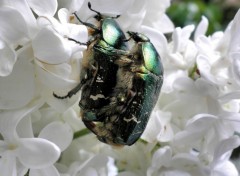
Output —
<point x="139" y="82"/>
<point x="120" y="87"/>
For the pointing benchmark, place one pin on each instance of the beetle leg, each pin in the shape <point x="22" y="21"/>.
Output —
<point x="130" y="94"/>
<point x="80" y="43"/>
<point x="111" y="51"/>
<point x="139" y="69"/>
<point x="84" y="77"/>
<point x="70" y="93"/>
<point x="76" y="89"/>
<point x="119" y="102"/>
<point x="123" y="61"/>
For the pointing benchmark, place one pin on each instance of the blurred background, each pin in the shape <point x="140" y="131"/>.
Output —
<point x="218" y="12"/>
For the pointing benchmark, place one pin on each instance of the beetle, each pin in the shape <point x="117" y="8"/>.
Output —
<point x="139" y="82"/>
<point x="98" y="72"/>
<point x="106" y="34"/>
<point x="119" y="86"/>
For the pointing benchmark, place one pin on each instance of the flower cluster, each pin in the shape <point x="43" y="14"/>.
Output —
<point x="192" y="130"/>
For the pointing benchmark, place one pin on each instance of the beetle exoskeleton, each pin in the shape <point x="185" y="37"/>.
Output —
<point x="120" y="87"/>
<point x="136" y="92"/>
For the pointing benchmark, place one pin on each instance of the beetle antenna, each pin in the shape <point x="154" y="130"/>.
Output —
<point x="84" y="23"/>
<point x="117" y="16"/>
<point x="99" y="15"/>
<point x="90" y="7"/>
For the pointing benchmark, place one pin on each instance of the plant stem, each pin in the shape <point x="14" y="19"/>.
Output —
<point x="81" y="133"/>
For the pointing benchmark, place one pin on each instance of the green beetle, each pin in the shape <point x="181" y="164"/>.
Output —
<point x="120" y="87"/>
<point x="95" y="80"/>
<point x="98" y="72"/>
<point x="139" y="81"/>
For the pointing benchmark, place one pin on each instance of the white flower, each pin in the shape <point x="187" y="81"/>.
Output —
<point x="234" y="50"/>
<point x="8" y="58"/>
<point x="23" y="153"/>
<point x="190" y="132"/>
<point x="221" y="164"/>
<point x="203" y="132"/>
<point x="42" y="43"/>
<point x="94" y="166"/>
<point x="179" y="58"/>
<point x="59" y="133"/>
<point x="17" y="89"/>
<point x="165" y="162"/>
<point x="158" y="128"/>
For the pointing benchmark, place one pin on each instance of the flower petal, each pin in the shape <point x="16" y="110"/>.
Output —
<point x="229" y="96"/>
<point x="17" y="89"/>
<point x="75" y="5"/>
<point x="161" y="158"/>
<point x="234" y="45"/>
<point x="63" y="15"/>
<point x="90" y="172"/>
<point x="196" y="128"/>
<point x="80" y="33"/>
<point x="236" y="66"/>
<point x="180" y="37"/>
<point x="206" y="88"/>
<point x="43" y="7"/>
<point x="55" y="76"/>
<point x="201" y="28"/>
<point x="8" y="164"/>
<point x="153" y="128"/>
<point x="225" y="169"/>
<point x="71" y="116"/>
<point x="205" y="68"/>
<point x="13" y="26"/>
<point x="24" y="128"/>
<point x="133" y="19"/>
<point x="102" y="164"/>
<point x="23" y="8"/>
<point x="184" y="138"/>
<point x="51" y="170"/>
<point x="8" y="58"/>
<point x="59" y="133"/>
<point x="185" y="161"/>
<point x="185" y="85"/>
<point x="225" y="146"/>
<point x="37" y="153"/>
<point x="49" y="47"/>
<point x="166" y="134"/>
<point x="201" y="122"/>
<point x="169" y="79"/>
<point x="165" y="25"/>
<point x="10" y="119"/>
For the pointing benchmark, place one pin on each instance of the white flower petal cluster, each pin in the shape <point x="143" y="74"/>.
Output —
<point x="192" y="130"/>
<point x="197" y="117"/>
